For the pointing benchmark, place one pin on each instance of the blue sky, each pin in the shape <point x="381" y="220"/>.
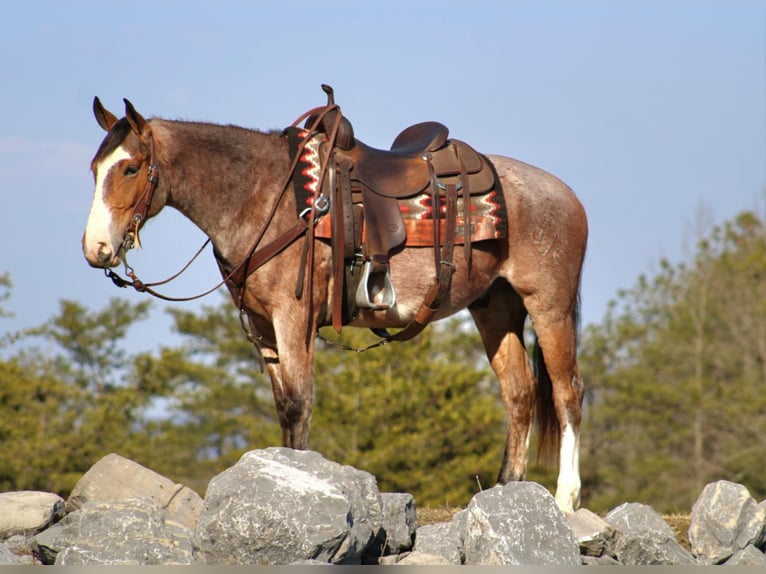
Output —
<point x="650" y="110"/>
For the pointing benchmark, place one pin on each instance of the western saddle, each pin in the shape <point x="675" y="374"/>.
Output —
<point x="364" y="186"/>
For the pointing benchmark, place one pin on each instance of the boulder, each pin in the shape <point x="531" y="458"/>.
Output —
<point x="634" y="517"/>
<point x="28" y="512"/>
<point x="125" y="532"/>
<point x="416" y="558"/>
<point x="398" y="524"/>
<point x="8" y="558"/>
<point x="724" y="520"/>
<point x="748" y="556"/>
<point x="281" y="506"/>
<point x="645" y="538"/>
<point x="24" y="549"/>
<point x="441" y="539"/>
<point x="117" y="478"/>
<point x="593" y="533"/>
<point x="518" y="523"/>
<point x="646" y="549"/>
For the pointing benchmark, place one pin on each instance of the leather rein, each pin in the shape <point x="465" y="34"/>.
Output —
<point x="256" y="257"/>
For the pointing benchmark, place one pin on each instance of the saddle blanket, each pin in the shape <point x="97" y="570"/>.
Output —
<point x="488" y="218"/>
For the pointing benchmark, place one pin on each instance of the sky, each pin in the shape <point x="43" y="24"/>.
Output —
<point x="653" y="111"/>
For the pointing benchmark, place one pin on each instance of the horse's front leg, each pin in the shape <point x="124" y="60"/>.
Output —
<point x="292" y="380"/>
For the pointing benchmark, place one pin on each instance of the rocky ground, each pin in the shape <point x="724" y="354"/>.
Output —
<point x="279" y="506"/>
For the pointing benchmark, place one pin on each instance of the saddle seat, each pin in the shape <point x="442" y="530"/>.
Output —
<point x="402" y="170"/>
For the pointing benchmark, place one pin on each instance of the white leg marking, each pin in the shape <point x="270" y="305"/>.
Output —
<point x="568" y="486"/>
<point x="99" y="227"/>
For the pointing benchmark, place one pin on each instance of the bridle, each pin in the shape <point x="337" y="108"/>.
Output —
<point x="236" y="277"/>
<point x="131" y="239"/>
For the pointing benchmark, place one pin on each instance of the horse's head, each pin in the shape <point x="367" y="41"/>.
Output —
<point x="125" y="175"/>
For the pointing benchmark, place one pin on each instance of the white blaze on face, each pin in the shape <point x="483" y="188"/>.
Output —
<point x="101" y="239"/>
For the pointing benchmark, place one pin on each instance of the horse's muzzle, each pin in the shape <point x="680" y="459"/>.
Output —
<point x="101" y="256"/>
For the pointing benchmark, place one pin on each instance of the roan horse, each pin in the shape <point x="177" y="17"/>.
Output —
<point x="230" y="182"/>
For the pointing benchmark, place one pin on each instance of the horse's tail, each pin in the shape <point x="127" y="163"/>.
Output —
<point x="548" y="427"/>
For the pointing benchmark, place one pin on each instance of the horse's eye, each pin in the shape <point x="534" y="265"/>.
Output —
<point x="130" y="170"/>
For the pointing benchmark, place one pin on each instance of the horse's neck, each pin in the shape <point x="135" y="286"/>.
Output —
<point x="224" y="179"/>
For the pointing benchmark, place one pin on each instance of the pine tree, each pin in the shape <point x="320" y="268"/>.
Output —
<point x="64" y="407"/>
<point x="424" y="417"/>
<point x="677" y="380"/>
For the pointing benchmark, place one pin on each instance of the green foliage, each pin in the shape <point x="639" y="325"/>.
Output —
<point x="5" y="291"/>
<point x="61" y="410"/>
<point x="219" y="403"/>
<point x="676" y="377"/>
<point x="423" y="417"/>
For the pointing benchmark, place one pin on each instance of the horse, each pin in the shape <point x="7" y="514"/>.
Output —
<point x="229" y="181"/>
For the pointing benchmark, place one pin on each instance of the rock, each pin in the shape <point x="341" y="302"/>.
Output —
<point x="28" y="512"/>
<point x="724" y="520"/>
<point x="117" y="478"/>
<point x="645" y="538"/>
<point x="279" y="506"/>
<point x="634" y="517"/>
<point x="592" y="532"/>
<point x="748" y="556"/>
<point x="416" y="558"/>
<point x="603" y="560"/>
<point x="518" y="523"/>
<point x="399" y="523"/>
<point x="7" y="557"/>
<point x="441" y="539"/>
<point x="23" y="548"/>
<point x="646" y="548"/>
<point x="125" y="532"/>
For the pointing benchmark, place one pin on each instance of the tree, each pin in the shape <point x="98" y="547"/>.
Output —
<point x="424" y="417"/>
<point x="676" y="373"/>
<point x="64" y="408"/>
<point x="218" y="402"/>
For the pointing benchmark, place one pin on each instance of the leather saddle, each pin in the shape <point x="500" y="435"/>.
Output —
<point x="365" y="185"/>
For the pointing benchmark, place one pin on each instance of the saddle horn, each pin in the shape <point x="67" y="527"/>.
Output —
<point x="345" y="137"/>
<point x="330" y="94"/>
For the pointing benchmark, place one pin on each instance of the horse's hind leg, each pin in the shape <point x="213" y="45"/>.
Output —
<point x="560" y="404"/>
<point x="499" y="317"/>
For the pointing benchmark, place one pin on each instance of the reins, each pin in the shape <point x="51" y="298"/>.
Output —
<point x="235" y="279"/>
<point x="256" y="257"/>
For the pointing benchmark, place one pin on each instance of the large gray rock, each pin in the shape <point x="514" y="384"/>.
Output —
<point x="645" y="538"/>
<point x="724" y="520"/>
<point x="416" y="558"/>
<point x="281" y="506"/>
<point x="592" y="532"/>
<point x="518" y="523"/>
<point x="399" y="522"/>
<point x="441" y="539"/>
<point x="646" y="549"/>
<point x="7" y="557"/>
<point x="634" y="517"/>
<point x="28" y="512"/>
<point x="23" y="548"/>
<point x="117" y="478"/>
<point x="748" y="556"/>
<point x="126" y="532"/>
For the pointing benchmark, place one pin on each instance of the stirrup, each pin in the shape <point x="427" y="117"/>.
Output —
<point x="387" y="293"/>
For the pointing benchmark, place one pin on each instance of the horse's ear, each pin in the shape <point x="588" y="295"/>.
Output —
<point x="104" y="117"/>
<point x="136" y="120"/>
